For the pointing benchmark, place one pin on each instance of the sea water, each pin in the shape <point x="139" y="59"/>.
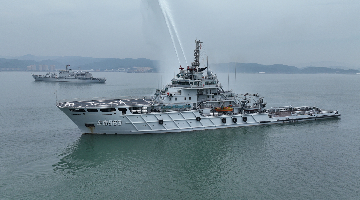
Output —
<point x="43" y="155"/>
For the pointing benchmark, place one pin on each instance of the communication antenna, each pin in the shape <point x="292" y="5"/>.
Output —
<point x="228" y="82"/>
<point x="207" y="64"/>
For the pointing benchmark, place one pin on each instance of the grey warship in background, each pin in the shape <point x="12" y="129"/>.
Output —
<point x="69" y="75"/>
<point x="194" y="100"/>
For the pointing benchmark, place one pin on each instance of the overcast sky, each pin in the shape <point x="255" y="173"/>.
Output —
<point x="292" y="32"/>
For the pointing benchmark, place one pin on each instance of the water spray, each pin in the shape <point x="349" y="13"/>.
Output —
<point x="161" y="4"/>
<point x="171" y="25"/>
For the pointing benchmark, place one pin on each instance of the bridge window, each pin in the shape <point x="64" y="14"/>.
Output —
<point x="135" y="110"/>
<point x="123" y="110"/>
<point x="108" y="110"/>
<point x="77" y="110"/>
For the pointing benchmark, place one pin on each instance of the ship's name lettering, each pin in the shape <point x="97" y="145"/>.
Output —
<point x="109" y="123"/>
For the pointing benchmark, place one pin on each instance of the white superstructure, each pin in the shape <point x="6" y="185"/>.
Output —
<point x="69" y="75"/>
<point x="194" y="100"/>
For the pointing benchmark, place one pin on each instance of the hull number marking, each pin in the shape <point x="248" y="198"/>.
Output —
<point x="109" y="123"/>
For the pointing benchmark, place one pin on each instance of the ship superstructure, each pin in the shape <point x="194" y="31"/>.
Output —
<point x="69" y="75"/>
<point x="194" y="100"/>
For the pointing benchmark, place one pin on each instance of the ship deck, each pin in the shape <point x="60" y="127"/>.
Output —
<point x="106" y="103"/>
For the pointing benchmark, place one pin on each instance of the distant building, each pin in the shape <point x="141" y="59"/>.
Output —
<point x="31" y="68"/>
<point x="121" y="70"/>
<point x="140" y="70"/>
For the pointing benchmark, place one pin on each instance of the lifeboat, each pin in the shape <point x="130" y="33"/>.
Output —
<point x="223" y="109"/>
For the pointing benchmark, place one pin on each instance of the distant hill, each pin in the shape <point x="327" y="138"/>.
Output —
<point x="27" y="62"/>
<point x="277" y="69"/>
<point x="34" y="63"/>
<point x="116" y="63"/>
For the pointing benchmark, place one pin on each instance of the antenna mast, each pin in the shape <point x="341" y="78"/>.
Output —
<point x="207" y="64"/>
<point x="196" y="62"/>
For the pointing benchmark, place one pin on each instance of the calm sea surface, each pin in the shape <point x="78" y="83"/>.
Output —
<point x="44" y="156"/>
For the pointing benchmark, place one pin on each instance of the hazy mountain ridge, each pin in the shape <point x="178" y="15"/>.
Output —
<point x="76" y="62"/>
<point x="102" y="64"/>
<point x="277" y="69"/>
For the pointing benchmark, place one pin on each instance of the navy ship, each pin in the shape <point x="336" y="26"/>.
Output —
<point x="69" y="75"/>
<point x="194" y="100"/>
